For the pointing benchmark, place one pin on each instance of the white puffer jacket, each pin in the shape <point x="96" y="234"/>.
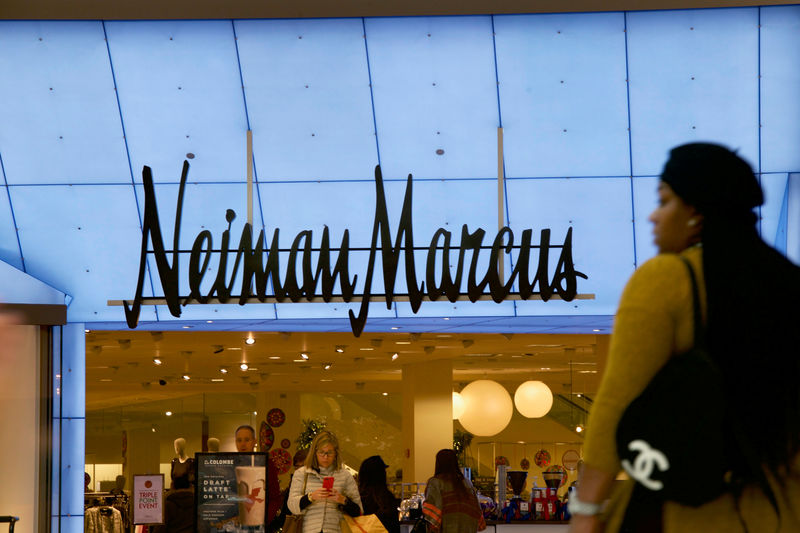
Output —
<point x="321" y="515"/>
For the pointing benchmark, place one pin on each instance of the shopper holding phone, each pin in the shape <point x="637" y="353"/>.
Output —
<point x="322" y="489"/>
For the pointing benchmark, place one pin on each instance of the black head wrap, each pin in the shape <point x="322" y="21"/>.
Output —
<point x="713" y="179"/>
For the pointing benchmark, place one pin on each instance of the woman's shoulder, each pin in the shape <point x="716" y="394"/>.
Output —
<point x="658" y="278"/>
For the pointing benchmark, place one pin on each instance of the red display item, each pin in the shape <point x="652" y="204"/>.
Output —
<point x="525" y="464"/>
<point x="276" y="417"/>
<point x="285" y="443"/>
<point x="265" y="437"/>
<point x="542" y="458"/>
<point x="560" y="469"/>
<point x="501" y="460"/>
<point x="281" y="459"/>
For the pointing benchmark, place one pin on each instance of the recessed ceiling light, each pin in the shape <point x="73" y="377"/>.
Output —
<point x="587" y="371"/>
<point x="366" y="349"/>
<point x="249" y="340"/>
<point x="168" y="413"/>
<point x="255" y="413"/>
<point x="545" y="368"/>
<point x="86" y="331"/>
<point x="209" y="321"/>
<point x="326" y="380"/>
<point x="446" y="318"/>
<point x="595" y="330"/>
<point x="217" y="380"/>
<point x="244" y="366"/>
<point x="274" y="357"/>
<point x="339" y="349"/>
<point x="223" y="370"/>
<point x="385" y="394"/>
<point x="579" y="428"/>
<point x="186" y="377"/>
<point x="395" y="327"/>
<point x="327" y="366"/>
<point x="298" y="360"/>
<point x="157" y="361"/>
<point x="304" y="356"/>
<point x="105" y="379"/>
<point x="187" y="327"/>
<point x="402" y="342"/>
<point x="395" y="356"/>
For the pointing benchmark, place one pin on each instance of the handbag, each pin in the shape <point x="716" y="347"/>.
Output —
<point x="294" y="522"/>
<point x="369" y="523"/>
<point x="670" y="439"/>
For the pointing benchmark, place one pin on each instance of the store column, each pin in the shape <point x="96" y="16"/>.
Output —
<point x="427" y="416"/>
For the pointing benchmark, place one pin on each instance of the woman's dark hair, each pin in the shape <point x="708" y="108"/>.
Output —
<point x="372" y="484"/>
<point x="447" y="469"/>
<point x="753" y="296"/>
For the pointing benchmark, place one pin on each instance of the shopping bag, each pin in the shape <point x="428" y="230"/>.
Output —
<point x="368" y="523"/>
<point x="293" y="524"/>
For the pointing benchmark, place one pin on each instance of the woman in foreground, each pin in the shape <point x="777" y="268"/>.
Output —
<point x="750" y="299"/>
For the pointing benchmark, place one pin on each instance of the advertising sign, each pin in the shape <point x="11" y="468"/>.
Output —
<point x="231" y="492"/>
<point x="148" y="499"/>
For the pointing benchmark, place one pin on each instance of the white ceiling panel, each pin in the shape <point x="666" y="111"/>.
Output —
<point x="308" y="98"/>
<point x="694" y="77"/>
<point x="563" y="95"/>
<point x="435" y="96"/>
<point x="9" y="247"/>
<point x="599" y="211"/>
<point x="59" y="119"/>
<point x="180" y="92"/>
<point x="780" y="87"/>
<point x="88" y="246"/>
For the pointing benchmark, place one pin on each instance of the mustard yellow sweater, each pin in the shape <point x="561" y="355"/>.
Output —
<point x="654" y="321"/>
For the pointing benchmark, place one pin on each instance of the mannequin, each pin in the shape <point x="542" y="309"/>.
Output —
<point x="182" y="465"/>
<point x="213" y="444"/>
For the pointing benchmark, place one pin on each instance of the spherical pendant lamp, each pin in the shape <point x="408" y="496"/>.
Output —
<point x="458" y="405"/>
<point x="487" y="408"/>
<point x="533" y="399"/>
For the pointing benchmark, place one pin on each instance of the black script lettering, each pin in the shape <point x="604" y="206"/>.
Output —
<point x="565" y="271"/>
<point x="221" y="287"/>
<point x="449" y="288"/>
<point x="497" y="288"/>
<point x="196" y="273"/>
<point x="151" y="227"/>
<point x="340" y="269"/>
<point x="390" y="255"/>
<point x="309" y="282"/>
<point x="474" y="241"/>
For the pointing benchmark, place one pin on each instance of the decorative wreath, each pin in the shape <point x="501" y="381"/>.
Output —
<point x="281" y="459"/>
<point x="542" y="458"/>
<point x="265" y="437"/>
<point x="570" y="459"/>
<point x="501" y="460"/>
<point x="276" y="417"/>
<point x="525" y="464"/>
<point x="285" y="443"/>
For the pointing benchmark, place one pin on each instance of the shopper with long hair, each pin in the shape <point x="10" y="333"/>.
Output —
<point x="451" y="505"/>
<point x="376" y="497"/>
<point x="749" y="297"/>
<point x="322" y="504"/>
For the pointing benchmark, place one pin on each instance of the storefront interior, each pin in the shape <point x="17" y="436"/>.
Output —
<point x="144" y="389"/>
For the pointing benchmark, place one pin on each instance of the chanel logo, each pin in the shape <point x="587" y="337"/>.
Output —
<point x="643" y="465"/>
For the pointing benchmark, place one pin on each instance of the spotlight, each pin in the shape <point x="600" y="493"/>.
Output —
<point x="327" y="366"/>
<point x="578" y="428"/>
<point x="223" y="370"/>
<point x="168" y="413"/>
<point x="340" y="349"/>
<point x="395" y="356"/>
<point x="157" y="361"/>
<point x="385" y="394"/>
<point x="186" y="377"/>
<point x="304" y="356"/>
<point x="250" y="340"/>
<point x="244" y="366"/>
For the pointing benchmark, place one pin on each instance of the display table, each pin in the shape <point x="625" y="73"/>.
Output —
<point x="528" y="526"/>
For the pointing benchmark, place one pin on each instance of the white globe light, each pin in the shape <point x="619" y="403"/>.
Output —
<point x="533" y="399"/>
<point x="458" y="406"/>
<point x="487" y="408"/>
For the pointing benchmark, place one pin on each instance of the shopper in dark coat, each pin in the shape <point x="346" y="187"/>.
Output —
<point x="375" y="495"/>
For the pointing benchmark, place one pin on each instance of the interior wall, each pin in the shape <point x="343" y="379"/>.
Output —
<point x="19" y="424"/>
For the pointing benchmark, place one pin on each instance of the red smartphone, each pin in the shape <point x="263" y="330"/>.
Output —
<point x="327" y="483"/>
